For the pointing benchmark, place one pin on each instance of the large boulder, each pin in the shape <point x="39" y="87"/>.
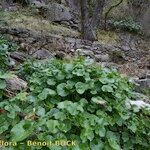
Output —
<point x="141" y="101"/>
<point x="74" y="8"/>
<point x="102" y="58"/>
<point x="144" y="83"/>
<point x="55" y="12"/>
<point x="15" y="84"/>
<point x="42" y="54"/>
<point x="19" y="56"/>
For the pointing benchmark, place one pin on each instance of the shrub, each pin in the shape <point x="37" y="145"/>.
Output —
<point x="128" y="25"/>
<point x="75" y="100"/>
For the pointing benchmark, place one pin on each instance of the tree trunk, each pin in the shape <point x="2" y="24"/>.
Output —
<point x="86" y="29"/>
<point x="97" y="13"/>
<point x="89" y="24"/>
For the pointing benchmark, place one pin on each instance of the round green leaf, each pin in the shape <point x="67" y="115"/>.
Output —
<point x="2" y="84"/>
<point x="61" y="90"/>
<point x="107" y="88"/>
<point x="81" y="87"/>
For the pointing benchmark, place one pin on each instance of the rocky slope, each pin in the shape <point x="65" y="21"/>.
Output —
<point x="40" y="38"/>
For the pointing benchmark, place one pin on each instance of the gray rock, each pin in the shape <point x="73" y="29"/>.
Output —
<point x="74" y="8"/>
<point x="42" y="54"/>
<point x="138" y="103"/>
<point x="60" y="54"/>
<point x="36" y="3"/>
<point x="86" y="53"/>
<point x="148" y="75"/>
<point x="109" y="65"/>
<point x="102" y="58"/>
<point x="19" y="56"/>
<point x="97" y="51"/>
<point x="140" y="96"/>
<point x="144" y="83"/>
<point x="55" y="12"/>
<point x="125" y="47"/>
<point x="15" y="84"/>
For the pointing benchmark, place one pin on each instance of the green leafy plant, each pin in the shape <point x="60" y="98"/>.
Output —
<point x="29" y="67"/>
<point x="3" y="77"/>
<point x="128" y="25"/>
<point x="2" y="84"/>
<point x="5" y="48"/>
<point x="75" y="100"/>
